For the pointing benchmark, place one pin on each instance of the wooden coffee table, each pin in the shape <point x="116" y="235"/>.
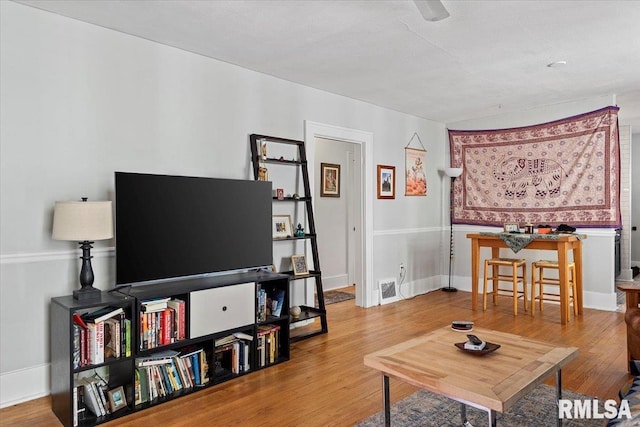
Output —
<point x="491" y="382"/>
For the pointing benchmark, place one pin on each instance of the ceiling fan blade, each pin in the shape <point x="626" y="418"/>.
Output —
<point x="431" y="10"/>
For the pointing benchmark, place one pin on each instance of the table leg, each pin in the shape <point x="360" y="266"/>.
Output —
<point x="463" y="413"/>
<point x="559" y="392"/>
<point x="563" y="275"/>
<point x="577" y="258"/>
<point x="492" y="418"/>
<point x="475" y="268"/>
<point x="386" y="401"/>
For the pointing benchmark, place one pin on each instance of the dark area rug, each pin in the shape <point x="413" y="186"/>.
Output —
<point x="537" y="408"/>
<point x="332" y="297"/>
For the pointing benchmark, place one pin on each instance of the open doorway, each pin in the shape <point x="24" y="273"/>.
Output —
<point x="337" y="217"/>
<point x="360" y="258"/>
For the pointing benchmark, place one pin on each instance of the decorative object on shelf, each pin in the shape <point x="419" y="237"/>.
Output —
<point x="452" y="173"/>
<point x="528" y="228"/>
<point x="117" y="399"/>
<point x="386" y="182"/>
<point x="280" y="193"/>
<point x="263" y="174"/>
<point x="295" y="311"/>
<point x="415" y="176"/>
<point x="296" y="196"/>
<point x="281" y="226"/>
<point x="388" y="291"/>
<point x="263" y="149"/>
<point x="299" y="265"/>
<point x="511" y="227"/>
<point x="330" y="179"/>
<point x="83" y="222"/>
<point x="299" y="231"/>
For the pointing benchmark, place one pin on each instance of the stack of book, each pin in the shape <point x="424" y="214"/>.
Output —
<point x="162" y="322"/>
<point x="168" y="372"/>
<point x="232" y="354"/>
<point x="268" y="344"/>
<point x="89" y="394"/>
<point x="100" y="335"/>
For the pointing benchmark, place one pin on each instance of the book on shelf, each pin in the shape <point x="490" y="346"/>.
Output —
<point x="268" y="344"/>
<point x="178" y="307"/>
<point x="162" y="326"/>
<point x="157" y="304"/>
<point x="92" y="400"/>
<point x="278" y="299"/>
<point x="262" y="304"/>
<point x="102" y="314"/>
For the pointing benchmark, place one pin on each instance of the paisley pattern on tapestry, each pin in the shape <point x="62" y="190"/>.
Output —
<point x="561" y="172"/>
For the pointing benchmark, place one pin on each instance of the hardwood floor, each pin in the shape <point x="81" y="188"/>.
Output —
<point x="326" y="384"/>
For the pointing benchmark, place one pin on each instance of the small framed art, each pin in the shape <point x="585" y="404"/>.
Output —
<point x="299" y="264"/>
<point x="330" y="179"/>
<point x="511" y="226"/>
<point x="117" y="399"/>
<point x="386" y="182"/>
<point x="281" y="226"/>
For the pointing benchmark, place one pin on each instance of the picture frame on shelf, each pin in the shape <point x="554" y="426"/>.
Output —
<point x="511" y="226"/>
<point x="281" y="226"/>
<point x="263" y="174"/>
<point x="299" y="265"/>
<point x="386" y="182"/>
<point x="117" y="399"/>
<point x="330" y="180"/>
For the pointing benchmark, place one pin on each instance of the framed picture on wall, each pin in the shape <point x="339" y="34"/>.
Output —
<point x="386" y="182"/>
<point x="330" y="180"/>
<point x="281" y="226"/>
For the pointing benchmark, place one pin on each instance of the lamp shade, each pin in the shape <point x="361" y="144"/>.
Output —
<point x="453" y="172"/>
<point x="80" y="221"/>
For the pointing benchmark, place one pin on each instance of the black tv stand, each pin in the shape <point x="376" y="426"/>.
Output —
<point x="215" y="307"/>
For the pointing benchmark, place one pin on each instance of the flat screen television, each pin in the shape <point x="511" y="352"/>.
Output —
<point x="171" y="227"/>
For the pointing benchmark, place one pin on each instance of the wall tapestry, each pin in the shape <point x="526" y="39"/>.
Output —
<point x="561" y="172"/>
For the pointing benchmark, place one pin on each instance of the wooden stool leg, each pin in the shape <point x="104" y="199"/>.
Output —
<point x="495" y="283"/>
<point x="524" y="285"/>
<point x="574" y="290"/>
<point x="484" y="289"/>
<point x="541" y="283"/>
<point x="533" y="289"/>
<point x="514" y="268"/>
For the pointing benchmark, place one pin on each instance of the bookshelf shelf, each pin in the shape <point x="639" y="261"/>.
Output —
<point x="172" y="369"/>
<point x="265" y="151"/>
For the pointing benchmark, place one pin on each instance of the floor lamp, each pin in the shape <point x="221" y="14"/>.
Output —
<point x="452" y="173"/>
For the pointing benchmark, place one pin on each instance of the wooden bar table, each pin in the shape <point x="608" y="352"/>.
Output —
<point x="561" y="243"/>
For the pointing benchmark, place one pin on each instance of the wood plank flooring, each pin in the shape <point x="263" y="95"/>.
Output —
<point x="326" y="383"/>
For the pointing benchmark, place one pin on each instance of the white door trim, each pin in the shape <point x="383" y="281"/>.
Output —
<point x="312" y="130"/>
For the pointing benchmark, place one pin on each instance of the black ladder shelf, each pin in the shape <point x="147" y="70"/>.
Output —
<point x="307" y="312"/>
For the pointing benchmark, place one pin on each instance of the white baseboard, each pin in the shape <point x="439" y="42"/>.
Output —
<point x="334" y="282"/>
<point x="24" y="385"/>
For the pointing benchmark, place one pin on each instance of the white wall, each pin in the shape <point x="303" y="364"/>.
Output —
<point x="80" y="102"/>
<point x="598" y="255"/>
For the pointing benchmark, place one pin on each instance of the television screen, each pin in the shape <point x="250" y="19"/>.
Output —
<point x="176" y="226"/>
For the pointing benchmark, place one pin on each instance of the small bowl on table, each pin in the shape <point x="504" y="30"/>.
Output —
<point x="544" y="230"/>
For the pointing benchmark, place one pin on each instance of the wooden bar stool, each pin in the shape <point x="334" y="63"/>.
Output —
<point x="538" y="279"/>
<point x="512" y="278"/>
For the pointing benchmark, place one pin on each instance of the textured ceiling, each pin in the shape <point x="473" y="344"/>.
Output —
<point x="487" y="58"/>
